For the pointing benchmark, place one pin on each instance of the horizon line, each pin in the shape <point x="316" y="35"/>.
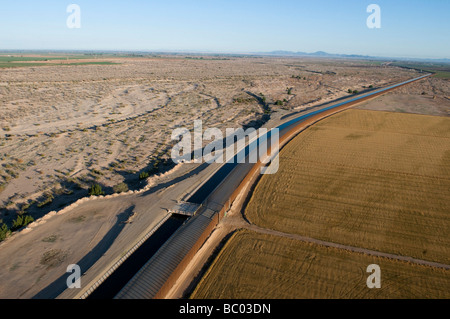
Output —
<point x="319" y="53"/>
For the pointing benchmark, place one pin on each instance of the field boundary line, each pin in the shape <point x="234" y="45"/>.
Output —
<point x="360" y="250"/>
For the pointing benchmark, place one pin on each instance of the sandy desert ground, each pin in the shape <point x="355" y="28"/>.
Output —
<point x="428" y="97"/>
<point x="64" y="128"/>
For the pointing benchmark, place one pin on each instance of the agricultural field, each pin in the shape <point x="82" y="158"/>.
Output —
<point x="21" y="61"/>
<point x="441" y="70"/>
<point x="371" y="179"/>
<point x="259" y="266"/>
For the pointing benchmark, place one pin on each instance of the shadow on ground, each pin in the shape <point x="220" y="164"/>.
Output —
<point x="59" y="285"/>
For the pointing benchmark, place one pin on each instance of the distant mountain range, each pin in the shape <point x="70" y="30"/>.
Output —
<point x="348" y="56"/>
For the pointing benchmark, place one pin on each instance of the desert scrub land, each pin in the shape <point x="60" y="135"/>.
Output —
<point x="258" y="266"/>
<point x="370" y="179"/>
<point x="64" y="128"/>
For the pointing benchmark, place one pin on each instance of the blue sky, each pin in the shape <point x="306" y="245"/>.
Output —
<point x="409" y="28"/>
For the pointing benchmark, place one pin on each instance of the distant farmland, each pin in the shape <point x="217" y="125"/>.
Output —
<point x="10" y="61"/>
<point x="369" y="179"/>
<point x="440" y="70"/>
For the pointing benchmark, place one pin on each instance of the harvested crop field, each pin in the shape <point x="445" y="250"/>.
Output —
<point x="259" y="266"/>
<point x="358" y="188"/>
<point x="369" y="179"/>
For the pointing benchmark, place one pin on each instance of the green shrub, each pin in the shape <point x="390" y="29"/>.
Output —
<point x="120" y="188"/>
<point x="4" y="232"/>
<point x="96" y="190"/>
<point x="47" y="201"/>
<point x="143" y="175"/>
<point x="21" y="221"/>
